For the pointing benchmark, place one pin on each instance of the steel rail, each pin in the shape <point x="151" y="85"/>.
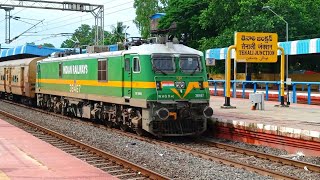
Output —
<point x="300" y="164"/>
<point x="211" y="157"/>
<point x="207" y="156"/>
<point x="146" y="172"/>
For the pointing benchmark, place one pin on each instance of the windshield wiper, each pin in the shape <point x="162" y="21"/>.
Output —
<point x="154" y="67"/>
<point x="194" y="71"/>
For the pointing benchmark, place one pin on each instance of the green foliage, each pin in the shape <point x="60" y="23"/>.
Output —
<point x="206" y="24"/>
<point x="118" y="35"/>
<point x="44" y="44"/>
<point x="47" y="45"/>
<point x="144" y="9"/>
<point x="86" y="34"/>
<point x="186" y="15"/>
<point x="31" y="43"/>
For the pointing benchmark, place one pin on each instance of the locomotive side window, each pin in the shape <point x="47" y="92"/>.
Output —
<point x="102" y="70"/>
<point x="127" y="64"/>
<point x="60" y="70"/>
<point x="136" y="65"/>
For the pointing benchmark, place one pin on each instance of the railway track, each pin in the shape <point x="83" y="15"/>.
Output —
<point x="223" y="152"/>
<point x="105" y="161"/>
<point x="229" y="151"/>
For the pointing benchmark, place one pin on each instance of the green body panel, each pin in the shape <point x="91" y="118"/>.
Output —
<point x="121" y="83"/>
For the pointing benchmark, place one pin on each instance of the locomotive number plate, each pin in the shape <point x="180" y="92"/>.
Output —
<point x="75" y="88"/>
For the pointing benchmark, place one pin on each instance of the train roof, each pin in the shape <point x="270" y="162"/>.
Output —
<point x="144" y="49"/>
<point x="19" y="62"/>
<point x="169" y="48"/>
<point x="27" y="51"/>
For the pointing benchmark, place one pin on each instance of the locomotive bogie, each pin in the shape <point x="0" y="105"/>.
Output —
<point x="176" y="119"/>
<point x="109" y="114"/>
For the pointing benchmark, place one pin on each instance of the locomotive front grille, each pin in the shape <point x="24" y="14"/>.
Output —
<point x="178" y="127"/>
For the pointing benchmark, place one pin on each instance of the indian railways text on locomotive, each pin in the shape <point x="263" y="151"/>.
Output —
<point x="75" y="69"/>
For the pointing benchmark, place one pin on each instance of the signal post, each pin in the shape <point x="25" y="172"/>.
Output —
<point x="254" y="48"/>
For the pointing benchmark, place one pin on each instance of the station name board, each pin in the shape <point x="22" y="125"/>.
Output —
<point x="256" y="47"/>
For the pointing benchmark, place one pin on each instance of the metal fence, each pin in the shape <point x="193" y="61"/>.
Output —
<point x="266" y="84"/>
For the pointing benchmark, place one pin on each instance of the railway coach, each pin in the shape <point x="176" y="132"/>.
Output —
<point x="158" y="88"/>
<point x="18" y="78"/>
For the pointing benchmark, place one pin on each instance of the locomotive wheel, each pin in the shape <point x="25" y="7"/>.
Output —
<point x="49" y="105"/>
<point x="63" y="111"/>
<point x="55" y="109"/>
<point x="124" y="127"/>
<point x="140" y="131"/>
<point x="109" y="124"/>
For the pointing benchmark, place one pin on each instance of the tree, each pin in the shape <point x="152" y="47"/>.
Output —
<point x="47" y="45"/>
<point x="85" y="35"/>
<point x="186" y="15"/>
<point x="145" y="9"/>
<point x="117" y="33"/>
<point x="206" y="24"/>
<point x="44" y="44"/>
<point x="247" y="15"/>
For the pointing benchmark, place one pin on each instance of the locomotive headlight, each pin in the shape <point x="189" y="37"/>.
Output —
<point x="163" y="113"/>
<point x="201" y="85"/>
<point x="180" y="84"/>
<point x="158" y="84"/>
<point x="207" y="112"/>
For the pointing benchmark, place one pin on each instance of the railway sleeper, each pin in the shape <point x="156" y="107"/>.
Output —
<point x="101" y="165"/>
<point x="118" y="170"/>
<point x="126" y="175"/>
<point x="125" y="117"/>
<point x="137" y="178"/>
<point x="98" y="161"/>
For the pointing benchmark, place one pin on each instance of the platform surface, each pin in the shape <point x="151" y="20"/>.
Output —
<point x="23" y="156"/>
<point x="298" y="120"/>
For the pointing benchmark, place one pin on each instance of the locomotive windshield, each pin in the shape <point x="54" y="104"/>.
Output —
<point x="190" y="63"/>
<point x="163" y="63"/>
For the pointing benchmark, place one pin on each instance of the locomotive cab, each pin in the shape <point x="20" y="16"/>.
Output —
<point x="179" y="103"/>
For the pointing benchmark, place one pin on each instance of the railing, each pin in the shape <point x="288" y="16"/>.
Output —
<point x="215" y="83"/>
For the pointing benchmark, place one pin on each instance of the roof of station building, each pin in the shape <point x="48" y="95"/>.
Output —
<point x="27" y="51"/>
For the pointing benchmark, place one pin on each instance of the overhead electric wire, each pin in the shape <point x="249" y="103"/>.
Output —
<point x="79" y="17"/>
<point x="71" y="13"/>
<point x="55" y="19"/>
<point x="52" y="36"/>
<point x="82" y="20"/>
<point x="15" y="12"/>
<point x="87" y="14"/>
<point x="77" y="22"/>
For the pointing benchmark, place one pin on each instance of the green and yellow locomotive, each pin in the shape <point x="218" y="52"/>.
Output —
<point x="158" y="88"/>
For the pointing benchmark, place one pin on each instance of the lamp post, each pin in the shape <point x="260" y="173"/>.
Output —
<point x="125" y="34"/>
<point x="287" y="57"/>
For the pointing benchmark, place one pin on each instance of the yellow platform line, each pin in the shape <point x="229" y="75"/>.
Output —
<point x="3" y="176"/>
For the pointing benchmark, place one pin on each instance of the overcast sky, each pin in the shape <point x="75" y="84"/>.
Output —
<point x="56" y="21"/>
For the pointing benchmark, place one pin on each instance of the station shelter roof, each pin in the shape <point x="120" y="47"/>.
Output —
<point x="26" y="51"/>
<point x="298" y="47"/>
